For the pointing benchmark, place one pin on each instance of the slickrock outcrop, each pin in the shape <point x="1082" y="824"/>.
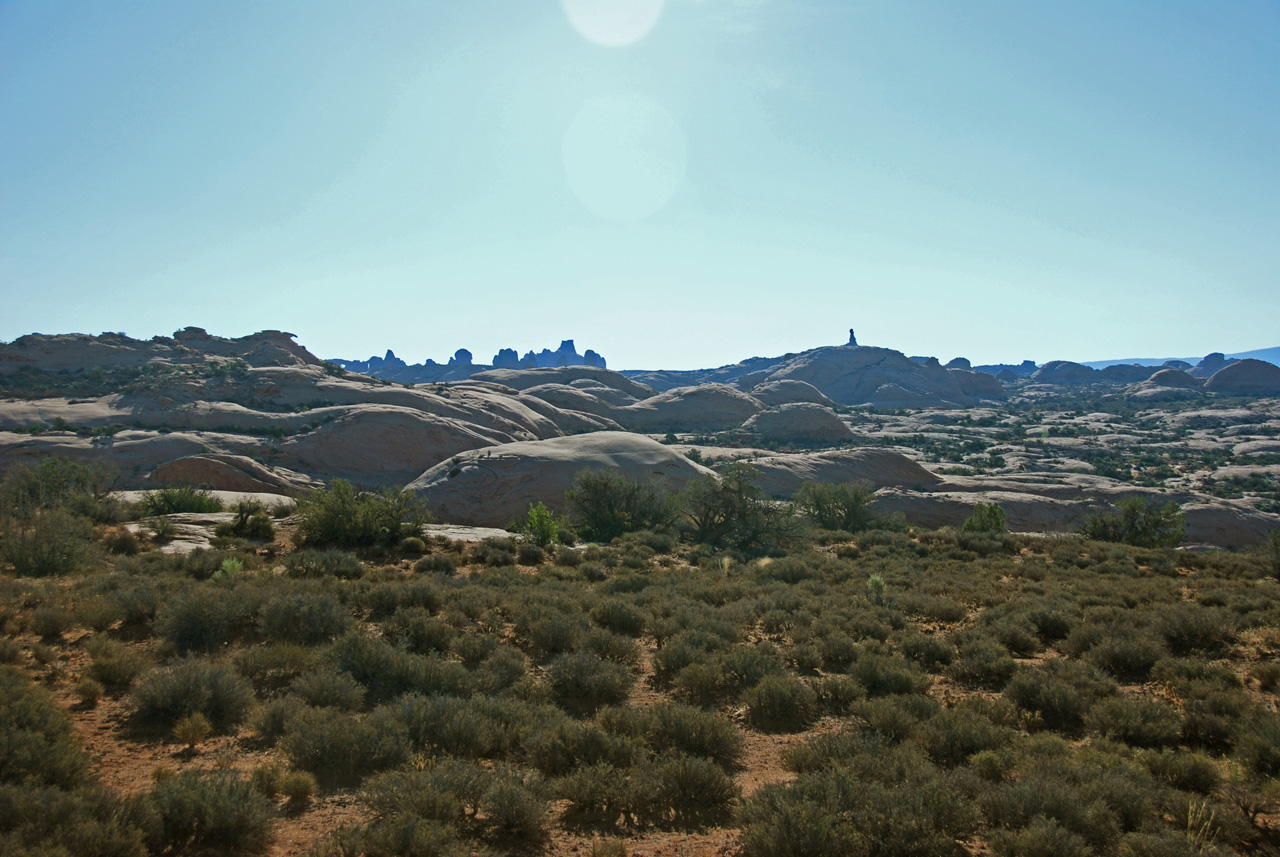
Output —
<point x="708" y="407"/>
<point x="786" y="392"/>
<point x="1246" y="378"/>
<point x="803" y="423"/>
<point x="781" y="475"/>
<point x="494" y="486"/>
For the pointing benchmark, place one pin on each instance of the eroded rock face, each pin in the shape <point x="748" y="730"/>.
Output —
<point x="1246" y="378"/>
<point x="707" y="407"/>
<point x="803" y="423"/>
<point x="494" y="486"/>
<point x="782" y="475"/>
<point x="877" y="376"/>
<point x="786" y="392"/>
<point x="1210" y="364"/>
<point x="223" y="472"/>
<point x="523" y="379"/>
<point x="1065" y="372"/>
<point x="77" y="351"/>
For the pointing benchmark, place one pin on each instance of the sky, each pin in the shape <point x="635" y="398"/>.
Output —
<point x="676" y="184"/>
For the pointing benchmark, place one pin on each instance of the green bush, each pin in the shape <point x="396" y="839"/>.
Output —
<point x="201" y="619"/>
<point x="619" y="616"/>
<point x="692" y="731"/>
<point x="607" y="505"/>
<point x="516" y="810"/>
<point x="1137" y="722"/>
<point x="583" y="683"/>
<point x="730" y="511"/>
<point x="49" y="542"/>
<point x="416" y="630"/>
<point x="437" y="563"/>
<point x="387" y="672"/>
<point x="982" y="664"/>
<point x="323" y="563"/>
<point x="114" y="666"/>
<point x="986" y="518"/>
<point x="540" y="525"/>
<point x="38" y="748"/>
<point x="340" y="516"/>
<point x="847" y="507"/>
<point x="1138" y="522"/>
<point x="193" y="686"/>
<point x="1185" y="770"/>
<point x="326" y="688"/>
<point x="215" y="810"/>
<point x="565" y="745"/>
<point x="303" y="617"/>
<point x="690" y="790"/>
<point x="170" y="501"/>
<point x="59" y="483"/>
<point x="339" y="748"/>
<point x="953" y="736"/>
<point x="251" y="522"/>
<point x="1128" y="657"/>
<point x="1043" y="838"/>
<point x="781" y="704"/>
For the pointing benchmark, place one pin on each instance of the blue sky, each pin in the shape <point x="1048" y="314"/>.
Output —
<point x="999" y="180"/>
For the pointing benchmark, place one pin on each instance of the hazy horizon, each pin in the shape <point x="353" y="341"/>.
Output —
<point x="679" y="184"/>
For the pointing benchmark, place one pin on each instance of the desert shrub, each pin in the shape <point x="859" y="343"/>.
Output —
<point x="193" y="686"/>
<point x="610" y="646"/>
<point x="1128" y="657"/>
<point x="882" y="675"/>
<point x="689" y="790"/>
<point x="619" y="616"/>
<point x="475" y="728"/>
<point x="540" y="525"/>
<point x="387" y="672"/>
<point x="530" y="554"/>
<point x="38" y="748"/>
<point x="986" y="518"/>
<point x="122" y="543"/>
<point x="251" y="522"/>
<point x="114" y="666"/>
<point x="340" y="516"/>
<point x="215" y="810"/>
<point x="88" y="691"/>
<point x="10" y="652"/>
<point x="1139" y="522"/>
<point x="323" y="563"/>
<point x="836" y="694"/>
<point x="49" y="623"/>
<point x="703" y="684"/>
<point x="339" y="748"/>
<point x="927" y="650"/>
<point x="516" y="809"/>
<point x="891" y="803"/>
<point x="731" y="512"/>
<point x="494" y="553"/>
<point x="564" y="745"/>
<point x="58" y="482"/>
<point x="582" y="682"/>
<point x="49" y="542"/>
<point x="200" y="619"/>
<point x="445" y="790"/>
<point x="952" y="737"/>
<point x="1185" y="770"/>
<point x="415" y="629"/>
<point x="895" y="718"/>
<point x="1188" y="628"/>
<point x="847" y="507"/>
<point x="1060" y="692"/>
<point x="273" y="666"/>
<point x="600" y="792"/>
<point x="1043" y="838"/>
<point x="1258" y="748"/>
<point x="170" y="501"/>
<point x="327" y="688"/>
<point x="1267" y="674"/>
<point x="554" y="632"/>
<point x="982" y="664"/>
<point x="1137" y="722"/>
<point x="1211" y="717"/>
<point x="192" y="729"/>
<point x="781" y="704"/>
<point x="607" y="505"/>
<point x="303" y="617"/>
<point x="672" y="726"/>
<point x="437" y="563"/>
<point x="743" y="666"/>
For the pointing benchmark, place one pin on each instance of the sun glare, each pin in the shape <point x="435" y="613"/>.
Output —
<point x="613" y="23"/>
<point x="624" y="156"/>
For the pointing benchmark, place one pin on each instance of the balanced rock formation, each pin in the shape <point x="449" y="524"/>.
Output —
<point x="1246" y="378"/>
<point x="494" y="486"/>
<point x="803" y="423"/>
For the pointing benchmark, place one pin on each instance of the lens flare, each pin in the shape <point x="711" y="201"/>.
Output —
<point x="613" y="23"/>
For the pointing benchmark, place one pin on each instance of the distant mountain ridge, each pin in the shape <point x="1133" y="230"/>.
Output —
<point x="1270" y="355"/>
